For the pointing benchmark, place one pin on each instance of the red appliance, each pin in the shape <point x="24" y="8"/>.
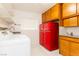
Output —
<point x="49" y="35"/>
<point x="42" y="34"/>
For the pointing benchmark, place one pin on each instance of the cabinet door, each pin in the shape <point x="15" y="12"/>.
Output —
<point x="64" y="47"/>
<point x="48" y="15"/>
<point x="78" y="20"/>
<point x="43" y="17"/>
<point x="68" y="9"/>
<point x="70" y="21"/>
<point x="74" y="49"/>
<point x="78" y="8"/>
<point x="55" y="12"/>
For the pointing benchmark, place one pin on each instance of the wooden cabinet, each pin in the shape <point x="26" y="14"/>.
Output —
<point x="48" y="15"/>
<point x="69" y="46"/>
<point x="78" y="13"/>
<point x="43" y="17"/>
<point x="70" y="22"/>
<point x="78" y="20"/>
<point x="69" y="14"/>
<point x="68" y="9"/>
<point x="52" y="14"/>
<point x="64" y="47"/>
<point x="74" y="49"/>
<point x="77" y="8"/>
<point x="55" y="12"/>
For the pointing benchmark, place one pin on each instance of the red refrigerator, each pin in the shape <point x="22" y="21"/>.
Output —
<point x="49" y="33"/>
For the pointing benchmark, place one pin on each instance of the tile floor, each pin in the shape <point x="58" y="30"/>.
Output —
<point x="41" y="51"/>
<point x="38" y="50"/>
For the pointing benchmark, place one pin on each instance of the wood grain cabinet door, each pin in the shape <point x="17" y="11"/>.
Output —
<point x="64" y="47"/>
<point x="70" y="21"/>
<point x="55" y="12"/>
<point x="78" y="20"/>
<point x="48" y="15"/>
<point x="78" y="8"/>
<point x="74" y="49"/>
<point x="43" y="17"/>
<point x="68" y="9"/>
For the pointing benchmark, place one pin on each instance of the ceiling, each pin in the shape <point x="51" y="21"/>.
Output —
<point x="29" y="7"/>
<point x="7" y="9"/>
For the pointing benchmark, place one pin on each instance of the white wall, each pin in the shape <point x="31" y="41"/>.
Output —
<point x="75" y="30"/>
<point x="64" y="30"/>
<point x="28" y="20"/>
<point x="29" y="24"/>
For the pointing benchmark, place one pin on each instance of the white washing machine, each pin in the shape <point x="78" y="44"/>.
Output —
<point x="15" y="45"/>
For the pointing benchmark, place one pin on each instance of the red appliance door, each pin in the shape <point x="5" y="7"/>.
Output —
<point x="47" y="40"/>
<point x="47" y="35"/>
<point x="55" y="36"/>
<point x="41" y="35"/>
<point x="49" y="26"/>
<point x="51" y="35"/>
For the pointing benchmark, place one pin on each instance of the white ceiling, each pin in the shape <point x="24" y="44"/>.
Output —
<point x="7" y="9"/>
<point x="31" y="7"/>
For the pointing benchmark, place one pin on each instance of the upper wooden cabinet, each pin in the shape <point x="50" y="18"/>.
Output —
<point x="70" y="22"/>
<point x="48" y="15"/>
<point x="55" y="12"/>
<point x="43" y="17"/>
<point x="68" y="9"/>
<point x="78" y="20"/>
<point x="52" y="14"/>
<point x="67" y="13"/>
<point x="78" y="8"/>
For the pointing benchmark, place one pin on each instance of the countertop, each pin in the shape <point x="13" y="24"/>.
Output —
<point x="77" y="37"/>
<point x="70" y="38"/>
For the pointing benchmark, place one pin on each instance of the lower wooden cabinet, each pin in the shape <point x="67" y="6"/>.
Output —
<point x="69" y="46"/>
<point x="74" y="49"/>
<point x="64" y="47"/>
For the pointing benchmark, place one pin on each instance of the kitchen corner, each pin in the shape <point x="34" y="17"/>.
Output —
<point x="43" y="29"/>
<point x="68" y="16"/>
<point x="69" y="41"/>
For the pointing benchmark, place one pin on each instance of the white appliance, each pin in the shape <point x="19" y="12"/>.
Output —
<point x="15" y="45"/>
